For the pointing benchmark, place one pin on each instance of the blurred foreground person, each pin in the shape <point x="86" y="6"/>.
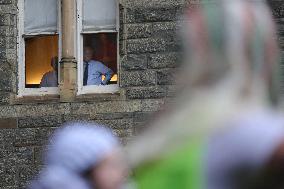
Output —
<point x="82" y="156"/>
<point x="224" y="131"/>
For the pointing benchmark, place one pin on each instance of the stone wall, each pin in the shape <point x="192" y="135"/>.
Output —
<point x="277" y="7"/>
<point x="148" y="57"/>
<point x="149" y="54"/>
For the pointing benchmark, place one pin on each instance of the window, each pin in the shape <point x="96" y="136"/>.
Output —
<point x="39" y="46"/>
<point x="97" y="46"/>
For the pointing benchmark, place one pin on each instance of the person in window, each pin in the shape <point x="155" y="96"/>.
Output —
<point x="93" y="70"/>
<point x="50" y="79"/>
<point x="107" y="51"/>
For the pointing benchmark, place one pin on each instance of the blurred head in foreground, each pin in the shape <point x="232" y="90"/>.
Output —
<point x="223" y="131"/>
<point x="232" y="44"/>
<point x="82" y="156"/>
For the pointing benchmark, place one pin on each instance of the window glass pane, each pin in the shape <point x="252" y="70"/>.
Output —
<point x="100" y="59"/>
<point x="40" y="61"/>
<point x="40" y="16"/>
<point x="99" y="14"/>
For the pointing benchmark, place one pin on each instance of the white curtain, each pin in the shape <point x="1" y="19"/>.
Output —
<point x="99" y="14"/>
<point x="40" y="16"/>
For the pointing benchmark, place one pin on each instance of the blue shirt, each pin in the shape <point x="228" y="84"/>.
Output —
<point x="49" y="79"/>
<point x="95" y="71"/>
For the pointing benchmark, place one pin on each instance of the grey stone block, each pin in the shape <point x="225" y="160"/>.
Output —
<point x="26" y="174"/>
<point x="135" y="31"/>
<point x="5" y="81"/>
<point x="42" y="121"/>
<point x="81" y="109"/>
<point x="153" y="14"/>
<point x="152" y="105"/>
<point x="9" y="187"/>
<point x="5" y="19"/>
<point x="106" y="107"/>
<point x="8" y="157"/>
<point x="38" y="155"/>
<point x="11" y="43"/>
<point x="146" y="92"/>
<point x="32" y="136"/>
<point x="4" y="2"/>
<point x="277" y="8"/>
<point x="4" y="98"/>
<point x="116" y="124"/>
<point x="165" y="60"/>
<point x="166" y="30"/>
<point x="113" y="116"/>
<point x="7" y="138"/>
<point x="7" y="31"/>
<point x="165" y="26"/>
<point x="8" y="8"/>
<point x="155" y="3"/>
<point x="34" y="110"/>
<point x="24" y="155"/>
<point x="138" y="78"/>
<point x="3" y="42"/>
<point x="118" y="106"/>
<point x="76" y="117"/>
<point x="3" y="54"/>
<point x="134" y="62"/>
<point x="146" y="45"/>
<point x="11" y="54"/>
<point x="7" y="180"/>
<point x="166" y="77"/>
<point x="7" y="111"/>
<point x="13" y="20"/>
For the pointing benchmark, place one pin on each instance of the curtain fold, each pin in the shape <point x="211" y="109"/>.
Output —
<point x="40" y="16"/>
<point x="99" y="15"/>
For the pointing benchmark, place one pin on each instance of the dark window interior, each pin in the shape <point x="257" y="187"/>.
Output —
<point x="39" y="51"/>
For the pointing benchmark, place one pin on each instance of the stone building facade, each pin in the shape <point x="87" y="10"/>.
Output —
<point x="149" y="54"/>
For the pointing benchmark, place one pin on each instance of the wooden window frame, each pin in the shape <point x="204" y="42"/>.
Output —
<point x="22" y="90"/>
<point x="93" y="89"/>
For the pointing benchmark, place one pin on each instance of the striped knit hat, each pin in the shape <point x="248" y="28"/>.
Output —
<point x="79" y="146"/>
<point x="74" y="149"/>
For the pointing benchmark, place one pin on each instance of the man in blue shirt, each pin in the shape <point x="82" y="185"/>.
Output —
<point x="93" y="70"/>
<point x="50" y="79"/>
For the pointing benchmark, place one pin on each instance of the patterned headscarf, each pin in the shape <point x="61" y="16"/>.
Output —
<point x="231" y="40"/>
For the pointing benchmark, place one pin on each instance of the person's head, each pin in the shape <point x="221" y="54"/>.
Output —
<point x="110" y="173"/>
<point x="89" y="151"/>
<point x="231" y="40"/>
<point x="54" y="63"/>
<point x="88" y="53"/>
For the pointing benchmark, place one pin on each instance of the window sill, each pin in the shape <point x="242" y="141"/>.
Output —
<point x="43" y="91"/>
<point x="96" y="96"/>
<point x="36" y="99"/>
<point x="91" y="94"/>
<point x="98" y="89"/>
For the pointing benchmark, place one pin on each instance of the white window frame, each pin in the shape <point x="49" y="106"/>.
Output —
<point x="22" y="90"/>
<point x="93" y="89"/>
